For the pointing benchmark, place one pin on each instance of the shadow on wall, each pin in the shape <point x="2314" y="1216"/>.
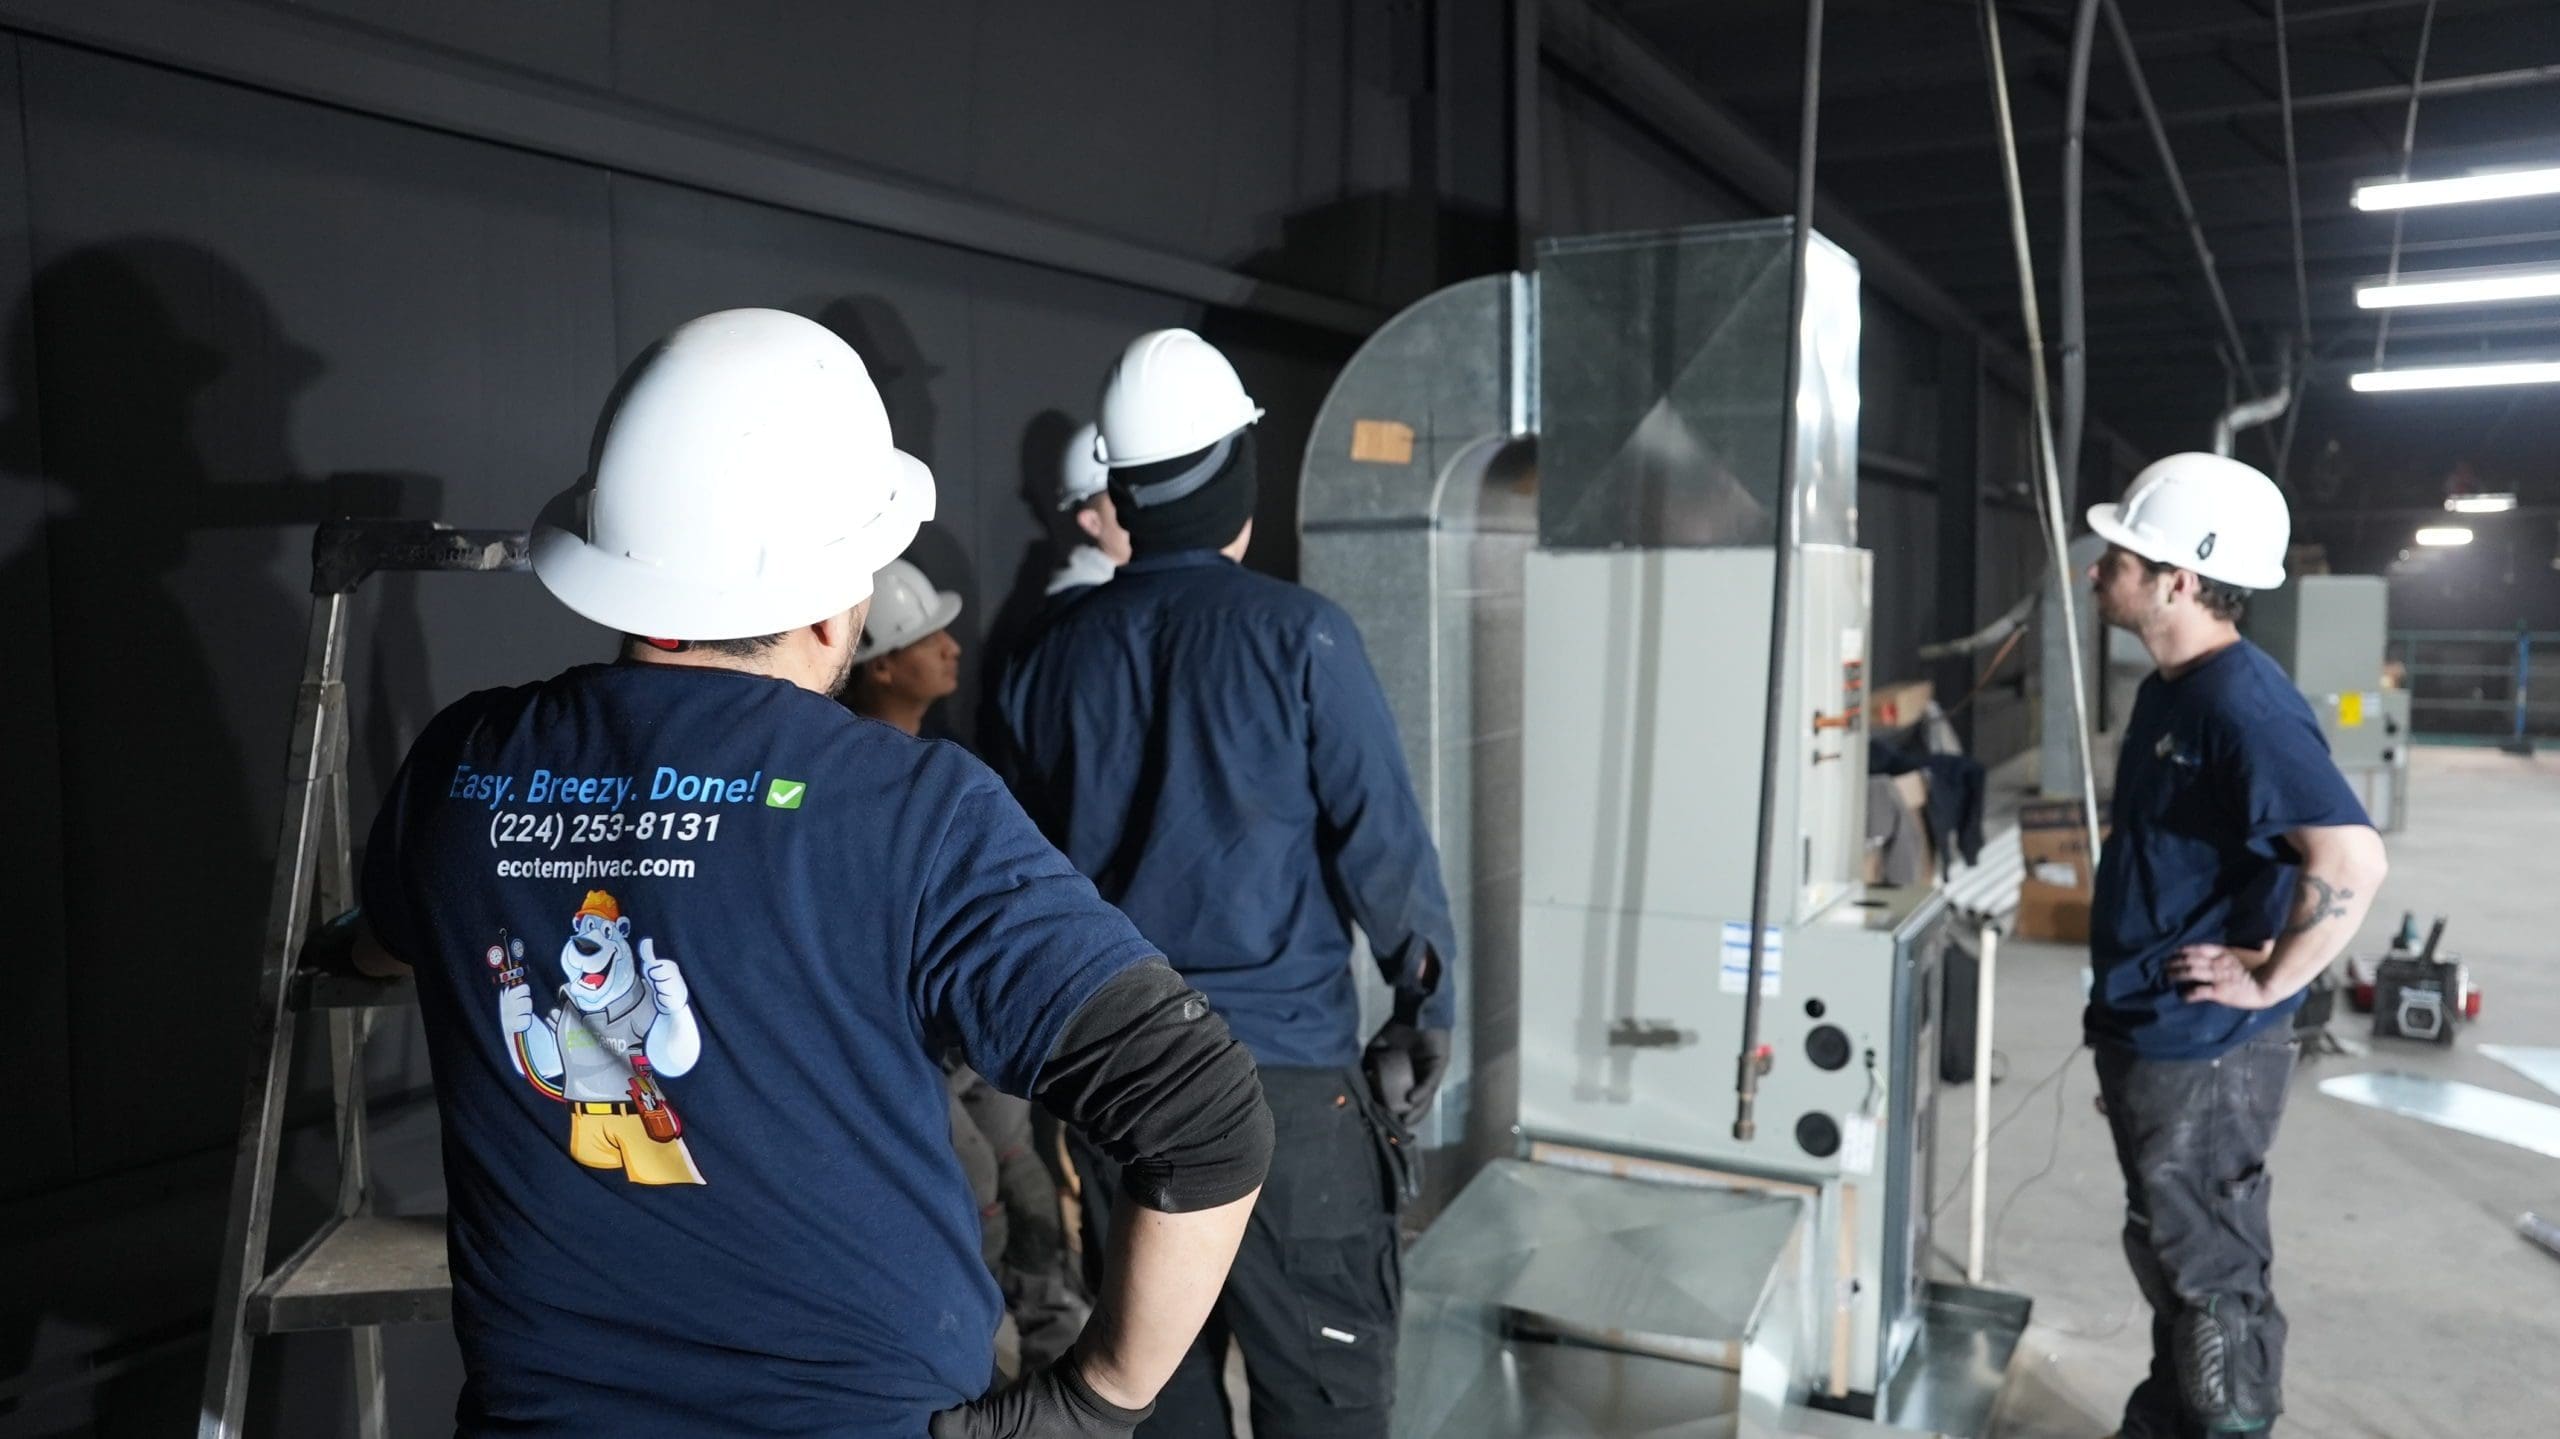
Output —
<point x="150" y="391"/>
<point x="1044" y="442"/>
<point x="905" y="378"/>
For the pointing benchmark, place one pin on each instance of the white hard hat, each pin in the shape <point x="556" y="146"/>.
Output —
<point x="744" y="484"/>
<point x="905" y="607"/>
<point x="1170" y="395"/>
<point x="1081" y="472"/>
<point x="2206" y="513"/>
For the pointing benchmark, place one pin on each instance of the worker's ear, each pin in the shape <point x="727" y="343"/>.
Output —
<point x="844" y="631"/>
<point x="1089" y="520"/>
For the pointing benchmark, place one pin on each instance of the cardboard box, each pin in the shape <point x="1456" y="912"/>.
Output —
<point x="1898" y="706"/>
<point x="2052" y="914"/>
<point x="2054" y="896"/>
<point x="2050" y="834"/>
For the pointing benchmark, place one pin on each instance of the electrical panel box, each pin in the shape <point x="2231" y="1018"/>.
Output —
<point x="2329" y="632"/>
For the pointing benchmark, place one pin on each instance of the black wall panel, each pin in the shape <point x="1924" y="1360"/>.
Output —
<point x="1600" y="171"/>
<point x="35" y="1026"/>
<point x="560" y="39"/>
<point x="1202" y="129"/>
<point x="248" y="314"/>
<point x="1898" y="523"/>
<point x="885" y="86"/>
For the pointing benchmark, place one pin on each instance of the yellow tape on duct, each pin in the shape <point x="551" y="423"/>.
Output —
<point x="1382" y="442"/>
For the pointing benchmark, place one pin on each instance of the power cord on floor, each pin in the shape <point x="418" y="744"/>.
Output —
<point x="2053" y="1156"/>
<point x="2010" y="1118"/>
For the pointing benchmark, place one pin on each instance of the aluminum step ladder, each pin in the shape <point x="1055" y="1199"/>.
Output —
<point x="361" y="1270"/>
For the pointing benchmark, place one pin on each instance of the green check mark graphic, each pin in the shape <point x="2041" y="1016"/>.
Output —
<point x="786" y="793"/>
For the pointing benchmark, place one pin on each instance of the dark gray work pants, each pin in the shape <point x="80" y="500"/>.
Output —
<point x="1313" y="1297"/>
<point x="2192" y="1137"/>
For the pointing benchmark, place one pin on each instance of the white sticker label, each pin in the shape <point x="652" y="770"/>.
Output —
<point x="1858" y="1145"/>
<point x="1735" y="976"/>
<point x="1853" y="645"/>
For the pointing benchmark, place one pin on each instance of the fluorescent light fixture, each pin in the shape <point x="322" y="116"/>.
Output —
<point x="2458" y="190"/>
<point x="2480" y="504"/>
<point x="2457" y="377"/>
<point x="2442" y="535"/>
<point x="2478" y="288"/>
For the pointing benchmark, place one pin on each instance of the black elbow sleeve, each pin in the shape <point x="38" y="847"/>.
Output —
<point x="1152" y="1076"/>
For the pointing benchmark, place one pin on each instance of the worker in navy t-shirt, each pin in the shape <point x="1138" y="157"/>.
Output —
<point x="690" y="938"/>
<point x="2237" y="867"/>
<point x="1210" y="746"/>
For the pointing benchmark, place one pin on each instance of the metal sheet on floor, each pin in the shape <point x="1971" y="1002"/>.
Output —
<point x="2447" y="1104"/>
<point x="2540" y="1064"/>
<point x="1951" y="1379"/>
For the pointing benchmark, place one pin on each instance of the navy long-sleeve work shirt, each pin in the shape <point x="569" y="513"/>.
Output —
<point x="1210" y="746"/>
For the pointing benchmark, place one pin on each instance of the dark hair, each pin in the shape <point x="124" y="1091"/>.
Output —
<point x="2222" y="601"/>
<point x="742" y="649"/>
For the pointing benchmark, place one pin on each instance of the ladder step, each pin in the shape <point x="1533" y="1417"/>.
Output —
<point x="369" y="1269"/>
<point x="325" y="989"/>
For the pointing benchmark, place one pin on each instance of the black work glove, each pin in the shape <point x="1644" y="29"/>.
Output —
<point x="1049" y="1403"/>
<point x="1405" y="1064"/>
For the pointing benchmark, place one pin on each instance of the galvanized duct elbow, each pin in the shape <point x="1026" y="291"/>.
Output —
<point x="2250" y="413"/>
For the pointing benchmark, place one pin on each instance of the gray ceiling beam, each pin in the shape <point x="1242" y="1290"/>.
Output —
<point x="2350" y="263"/>
<point x="2364" y="165"/>
<point x="1902" y="72"/>
<point x="331" y="64"/>
<point x="2440" y="88"/>
<point x="2139" y="337"/>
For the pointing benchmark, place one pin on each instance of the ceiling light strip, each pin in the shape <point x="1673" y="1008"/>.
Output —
<point x="2411" y="291"/>
<point x="2458" y="189"/>
<point x="2457" y="377"/>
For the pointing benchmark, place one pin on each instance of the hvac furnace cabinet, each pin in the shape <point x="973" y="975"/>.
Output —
<point x="1647" y="602"/>
<point x="1591" y="689"/>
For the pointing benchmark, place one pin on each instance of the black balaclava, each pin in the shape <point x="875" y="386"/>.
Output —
<point x="1197" y="501"/>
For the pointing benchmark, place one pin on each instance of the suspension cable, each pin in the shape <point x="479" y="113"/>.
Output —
<point x="2408" y="149"/>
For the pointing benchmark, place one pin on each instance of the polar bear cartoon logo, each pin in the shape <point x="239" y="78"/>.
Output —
<point x="624" y="1022"/>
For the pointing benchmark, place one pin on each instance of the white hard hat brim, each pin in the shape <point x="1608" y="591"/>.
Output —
<point x="946" y="608"/>
<point x="637" y="597"/>
<point x="1251" y="416"/>
<point x="2108" y="521"/>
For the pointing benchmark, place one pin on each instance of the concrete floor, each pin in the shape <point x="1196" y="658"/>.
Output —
<point x="2416" y="1310"/>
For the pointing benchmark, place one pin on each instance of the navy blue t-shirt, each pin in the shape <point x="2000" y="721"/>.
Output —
<point x="688" y="943"/>
<point x="2218" y="766"/>
<point x="1212" y="747"/>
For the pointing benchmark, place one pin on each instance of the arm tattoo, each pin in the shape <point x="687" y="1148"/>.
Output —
<point x="2316" y="902"/>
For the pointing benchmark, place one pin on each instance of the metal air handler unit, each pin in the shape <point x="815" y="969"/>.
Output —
<point x="2330" y="633"/>
<point x="1550" y="503"/>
